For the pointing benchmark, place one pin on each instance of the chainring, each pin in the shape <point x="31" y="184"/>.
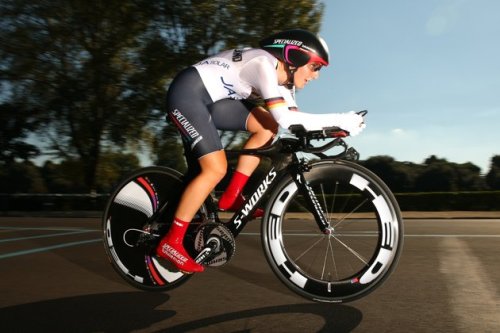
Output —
<point x="225" y="239"/>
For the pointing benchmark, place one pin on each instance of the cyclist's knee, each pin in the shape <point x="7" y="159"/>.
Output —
<point x="266" y="134"/>
<point x="214" y="167"/>
<point x="217" y="173"/>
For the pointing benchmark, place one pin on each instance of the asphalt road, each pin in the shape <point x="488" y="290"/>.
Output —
<point x="54" y="277"/>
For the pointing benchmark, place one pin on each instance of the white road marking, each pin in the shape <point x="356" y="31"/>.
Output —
<point x="473" y="296"/>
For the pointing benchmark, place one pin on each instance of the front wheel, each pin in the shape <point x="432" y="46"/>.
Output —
<point x="363" y="242"/>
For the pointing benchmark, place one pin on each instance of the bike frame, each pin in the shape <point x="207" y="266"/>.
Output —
<point x="285" y="161"/>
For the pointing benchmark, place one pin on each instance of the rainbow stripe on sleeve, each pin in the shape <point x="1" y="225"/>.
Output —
<point x="275" y="103"/>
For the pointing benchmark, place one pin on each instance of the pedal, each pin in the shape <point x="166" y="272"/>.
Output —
<point x="215" y="244"/>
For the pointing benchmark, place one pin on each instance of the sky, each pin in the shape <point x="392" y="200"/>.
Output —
<point x="427" y="71"/>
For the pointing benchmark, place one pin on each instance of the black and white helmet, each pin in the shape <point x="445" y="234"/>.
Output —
<point x="297" y="47"/>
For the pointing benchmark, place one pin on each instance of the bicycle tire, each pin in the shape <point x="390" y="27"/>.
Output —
<point x="363" y="247"/>
<point x="133" y="204"/>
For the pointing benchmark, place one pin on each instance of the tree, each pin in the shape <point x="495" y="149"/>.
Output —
<point x="168" y="150"/>
<point x="493" y="176"/>
<point x="64" y="177"/>
<point x="469" y="177"/>
<point x="21" y="177"/>
<point x="15" y="125"/>
<point x="440" y="175"/>
<point x="99" y="72"/>
<point x="114" y="167"/>
<point x="436" y="178"/>
<point x="397" y="175"/>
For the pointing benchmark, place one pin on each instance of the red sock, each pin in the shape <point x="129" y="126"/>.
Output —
<point x="171" y="248"/>
<point x="177" y="231"/>
<point x="233" y="191"/>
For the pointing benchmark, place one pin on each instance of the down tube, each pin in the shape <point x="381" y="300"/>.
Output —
<point x="244" y="214"/>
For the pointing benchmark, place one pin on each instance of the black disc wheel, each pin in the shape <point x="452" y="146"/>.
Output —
<point x="138" y="214"/>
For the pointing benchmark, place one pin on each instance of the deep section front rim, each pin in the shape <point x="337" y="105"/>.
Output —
<point x="363" y="242"/>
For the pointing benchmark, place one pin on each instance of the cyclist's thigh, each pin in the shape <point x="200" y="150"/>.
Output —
<point x="230" y="114"/>
<point x="187" y="107"/>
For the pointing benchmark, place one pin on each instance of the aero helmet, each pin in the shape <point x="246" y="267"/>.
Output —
<point x="296" y="47"/>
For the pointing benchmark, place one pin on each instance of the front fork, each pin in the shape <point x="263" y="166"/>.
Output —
<point x="310" y="197"/>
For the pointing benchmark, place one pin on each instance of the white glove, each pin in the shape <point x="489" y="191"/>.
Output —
<point x="350" y="122"/>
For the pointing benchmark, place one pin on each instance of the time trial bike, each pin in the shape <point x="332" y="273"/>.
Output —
<point x="332" y="231"/>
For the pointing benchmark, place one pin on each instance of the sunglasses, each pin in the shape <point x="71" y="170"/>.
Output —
<point x="314" y="67"/>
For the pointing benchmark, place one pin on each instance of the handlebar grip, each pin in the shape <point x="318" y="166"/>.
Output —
<point x="334" y="132"/>
<point x="326" y="132"/>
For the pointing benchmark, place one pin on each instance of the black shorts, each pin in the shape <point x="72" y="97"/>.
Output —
<point x="197" y="117"/>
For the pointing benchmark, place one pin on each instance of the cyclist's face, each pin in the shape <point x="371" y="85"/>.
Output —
<point x="306" y="73"/>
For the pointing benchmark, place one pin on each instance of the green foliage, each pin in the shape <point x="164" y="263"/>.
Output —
<point x="168" y="149"/>
<point x="113" y="168"/>
<point x="493" y="176"/>
<point x="15" y="125"/>
<point x="450" y="201"/>
<point x="433" y="175"/>
<point x="98" y="72"/>
<point x="21" y="177"/>
<point x="64" y="177"/>
<point x="400" y="177"/>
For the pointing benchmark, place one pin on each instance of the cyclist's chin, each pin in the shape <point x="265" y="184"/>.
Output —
<point x="299" y="84"/>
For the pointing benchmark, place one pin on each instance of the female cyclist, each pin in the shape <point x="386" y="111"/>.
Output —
<point x="214" y="94"/>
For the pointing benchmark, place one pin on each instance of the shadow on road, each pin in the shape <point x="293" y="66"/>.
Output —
<point x="337" y="318"/>
<point x="114" y="312"/>
<point x="127" y="311"/>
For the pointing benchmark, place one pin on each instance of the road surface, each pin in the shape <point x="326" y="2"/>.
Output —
<point x="55" y="278"/>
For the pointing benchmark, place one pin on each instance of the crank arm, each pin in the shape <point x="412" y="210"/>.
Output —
<point x="212" y="246"/>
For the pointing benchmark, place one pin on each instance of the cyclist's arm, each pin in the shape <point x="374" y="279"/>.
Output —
<point x="289" y="96"/>
<point x="261" y="74"/>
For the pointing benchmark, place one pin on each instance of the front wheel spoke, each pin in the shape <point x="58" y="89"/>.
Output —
<point x="329" y="252"/>
<point x="348" y="214"/>
<point x="334" y="197"/>
<point x="351" y="250"/>
<point x="308" y="249"/>
<point x="323" y="196"/>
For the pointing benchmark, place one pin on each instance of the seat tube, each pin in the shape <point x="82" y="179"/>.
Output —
<point x="310" y="197"/>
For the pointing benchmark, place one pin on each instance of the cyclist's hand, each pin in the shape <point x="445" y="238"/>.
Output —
<point x="351" y="122"/>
